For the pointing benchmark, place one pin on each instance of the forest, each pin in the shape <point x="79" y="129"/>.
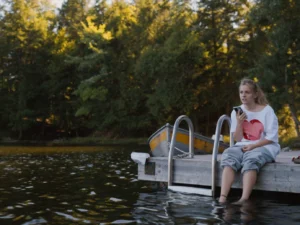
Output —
<point x="124" y="68"/>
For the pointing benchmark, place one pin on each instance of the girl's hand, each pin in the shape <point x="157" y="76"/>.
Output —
<point x="240" y="117"/>
<point x="248" y="147"/>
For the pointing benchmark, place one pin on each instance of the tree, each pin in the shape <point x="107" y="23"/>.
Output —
<point x="278" y="66"/>
<point x="65" y="74"/>
<point x="221" y="33"/>
<point x="26" y="25"/>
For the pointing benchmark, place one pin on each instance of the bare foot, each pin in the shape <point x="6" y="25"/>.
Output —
<point x="222" y="199"/>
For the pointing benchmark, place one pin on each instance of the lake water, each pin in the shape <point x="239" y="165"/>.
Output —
<point x="98" y="185"/>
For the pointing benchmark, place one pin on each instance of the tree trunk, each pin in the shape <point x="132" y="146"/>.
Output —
<point x="43" y="130"/>
<point x="295" y="118"/>
<point x="20" y="134"/>
<point x="207" y="129"/>
<point x="195" y="121"/>
<point x="292" y="106"/>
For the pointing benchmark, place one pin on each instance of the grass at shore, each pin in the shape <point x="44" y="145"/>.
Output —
<point x="80" y="141"/>
<point x="100" y="141"/>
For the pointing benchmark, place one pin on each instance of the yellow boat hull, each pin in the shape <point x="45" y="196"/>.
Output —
<point x="159" y="142"/>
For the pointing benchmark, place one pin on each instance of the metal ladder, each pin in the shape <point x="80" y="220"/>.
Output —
<point x="195" y="190"/>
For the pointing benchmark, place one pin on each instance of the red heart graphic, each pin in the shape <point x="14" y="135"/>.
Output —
<point x="252" y="130"/>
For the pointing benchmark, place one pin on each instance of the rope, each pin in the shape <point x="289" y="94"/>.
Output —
<point x="179" y="156"/>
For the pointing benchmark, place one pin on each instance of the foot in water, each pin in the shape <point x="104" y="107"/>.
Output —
<point x="223" y="199"/>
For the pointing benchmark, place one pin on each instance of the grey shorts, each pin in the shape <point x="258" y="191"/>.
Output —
<point x="250" y="160"/>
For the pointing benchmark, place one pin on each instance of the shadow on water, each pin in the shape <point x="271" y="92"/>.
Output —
<point x="98" y="185"/>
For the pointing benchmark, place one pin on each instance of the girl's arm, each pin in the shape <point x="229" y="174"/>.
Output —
<point x="238" y="134"/>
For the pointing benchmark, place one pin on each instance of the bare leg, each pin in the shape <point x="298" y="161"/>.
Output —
<point x="249" y="180"/>
<point x="227" y="180"/>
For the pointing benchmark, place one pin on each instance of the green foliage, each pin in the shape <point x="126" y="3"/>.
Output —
<point x="286" y="125"/>
<point x="277" y="67"/>
<point x="26" y="32"/>
<point x="128" y="68"/>
<point x="89" y="92"/>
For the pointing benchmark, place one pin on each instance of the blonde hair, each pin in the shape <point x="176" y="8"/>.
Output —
<point x="261" y="98"/>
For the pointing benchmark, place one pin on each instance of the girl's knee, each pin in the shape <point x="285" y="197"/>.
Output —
<point x="246" y="169"/>
<point x="232" y="157"/>
<point x="232" y="162"/>
<point x="253" y="164"/>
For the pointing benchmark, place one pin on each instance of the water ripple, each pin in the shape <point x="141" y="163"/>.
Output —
<point x="101" y="187"/>
<point x="67" y="216"/>
<point x="35" y="222"/>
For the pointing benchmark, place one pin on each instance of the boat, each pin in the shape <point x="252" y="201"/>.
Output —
<point x="160" y="140"/>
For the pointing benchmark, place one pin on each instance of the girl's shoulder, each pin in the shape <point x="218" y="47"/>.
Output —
<point x="269" y="108"/>
<point x="267" y="111"/>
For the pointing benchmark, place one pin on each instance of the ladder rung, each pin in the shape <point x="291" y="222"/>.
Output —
<point x="191" y="190"/>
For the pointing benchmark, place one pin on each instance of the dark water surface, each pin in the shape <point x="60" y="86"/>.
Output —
<point x="98" y="185"/>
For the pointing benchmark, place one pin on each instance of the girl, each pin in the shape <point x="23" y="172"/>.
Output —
<point x="256" y="132"/>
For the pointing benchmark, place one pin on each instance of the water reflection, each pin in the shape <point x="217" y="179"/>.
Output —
<point x="175" y="208"/>
<point x="100" y="186"/>
<point x="76" y="186"/>
<point x="236" y="214"/>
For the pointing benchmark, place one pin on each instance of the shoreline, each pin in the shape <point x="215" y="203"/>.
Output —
<point x="77" y="142"/>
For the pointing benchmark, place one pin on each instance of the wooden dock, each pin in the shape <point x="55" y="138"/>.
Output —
<point x="281" y="176"/>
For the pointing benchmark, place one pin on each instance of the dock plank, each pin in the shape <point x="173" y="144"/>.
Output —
<point x="281" y="176"/>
